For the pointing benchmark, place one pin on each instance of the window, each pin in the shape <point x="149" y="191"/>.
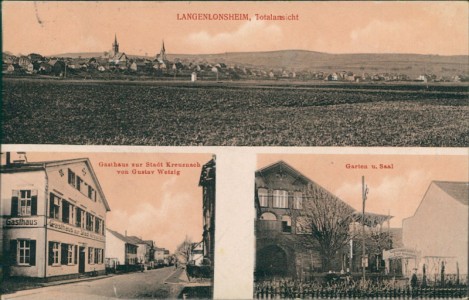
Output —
<point x="97" y="225"/>
<point x="65" y="211"/>
<point x="280" y="199"/>
<point x="96" y="255"/>
<point x="79" y="183"/>
<point x="268" y="216"/>
<point x="79" y="221"/>
<point x="263" y="197"/>
<point x="70" y="254"/>
<point x="286" y="223"/>
<point x="90" y="255"/>
<point x="23" y="252"/>
<point x="303" y="225"/>
<point x="54" y="253"/>
<point x="297" y="200"/>
<point x="89" y="222"/>
<point x="24" y="203"/>
<point x="54" y="207"/>
<point x="71" y="178"/>
<point x="24" y="208"/>
<point x="91" y="193"/>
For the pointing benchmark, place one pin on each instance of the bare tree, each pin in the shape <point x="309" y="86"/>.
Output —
<point x="327" y="219"/>
<point x="183" y="251"/>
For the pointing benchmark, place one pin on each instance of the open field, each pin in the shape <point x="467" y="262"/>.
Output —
<point x="233" y="114"/>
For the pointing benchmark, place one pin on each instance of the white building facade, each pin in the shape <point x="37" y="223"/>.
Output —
<point x="53" y="217"/>
<point x="438" y="231"/>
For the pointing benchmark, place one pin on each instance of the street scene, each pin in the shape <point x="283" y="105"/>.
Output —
<point x="154" y="284"/>
<point x="361" y="226"/>
<point x="121" y="224"/>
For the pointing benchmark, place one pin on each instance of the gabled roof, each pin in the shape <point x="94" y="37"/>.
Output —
<point x="136" y="240"/>
<point x="279" y="166"/>
<point x="124" y="238"/>
<point x="457" y="190"/>
<point x="42" y="165"/>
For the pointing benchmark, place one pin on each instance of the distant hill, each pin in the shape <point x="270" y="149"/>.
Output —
<point x="299" y="60"/>
<point x="316" y="61"/>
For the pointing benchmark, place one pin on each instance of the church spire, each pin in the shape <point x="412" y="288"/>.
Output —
<point x="163" y="52"/>
<point x="115" y="45"/>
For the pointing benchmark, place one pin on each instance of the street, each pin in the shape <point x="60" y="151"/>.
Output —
<point x="148" y="284"/>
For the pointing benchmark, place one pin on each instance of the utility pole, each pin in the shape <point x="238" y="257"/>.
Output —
<point x="364" y="193"/>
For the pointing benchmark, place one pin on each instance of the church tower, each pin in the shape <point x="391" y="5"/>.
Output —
<point x="162" y="56"/>
<point x="115" y="45"/>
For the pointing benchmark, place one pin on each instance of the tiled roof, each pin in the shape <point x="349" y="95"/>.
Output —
<point x="124" y="238"/>
<point x="457" y="190"/>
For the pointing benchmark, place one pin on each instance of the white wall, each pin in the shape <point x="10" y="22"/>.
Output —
<point x="115" y="247"/>
<point x="439" y="228"/>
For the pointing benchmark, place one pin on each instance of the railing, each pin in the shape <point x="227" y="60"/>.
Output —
<point x="288" y="292"/>
<point x="268" y="225"/>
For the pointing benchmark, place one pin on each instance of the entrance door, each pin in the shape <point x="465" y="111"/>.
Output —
<point x="81" y="261"/>
<point x="271" y="261"/>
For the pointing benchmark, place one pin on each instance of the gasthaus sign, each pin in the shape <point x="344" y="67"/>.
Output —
<point x="24" y="222"/>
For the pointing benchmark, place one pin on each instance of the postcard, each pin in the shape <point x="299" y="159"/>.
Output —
<point x="129" y="110"/>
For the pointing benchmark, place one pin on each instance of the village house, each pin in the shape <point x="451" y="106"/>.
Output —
<point x="437" y="233"/>
<point x="53" y="215"/>
<point x="121" y="250"/>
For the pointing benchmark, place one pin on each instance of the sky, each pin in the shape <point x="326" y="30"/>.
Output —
<point x="335" y="27"/>
<point x="396" y="191"/>
<point x="162" y="208"/>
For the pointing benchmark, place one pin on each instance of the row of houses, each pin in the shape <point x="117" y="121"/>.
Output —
<point x="123" y="251"/>
<point x="117" y="61"/>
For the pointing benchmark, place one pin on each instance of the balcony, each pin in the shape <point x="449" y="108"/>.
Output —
<point x="268" y="225"/>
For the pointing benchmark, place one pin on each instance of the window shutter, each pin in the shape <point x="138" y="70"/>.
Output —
<point x="13" y="250"/>
<point x="32" y="253"/>
<point x="14" y="203"/>
<point x="63" y="254"/>
<point x="51" y="205"/>
<point x="33" y="202"/>
<point x="76" y="254"/>
<point x="51" y="253"/>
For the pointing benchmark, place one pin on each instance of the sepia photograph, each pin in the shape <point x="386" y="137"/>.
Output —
<point x="107" y="225"/>
<point x="235" y="73"/>
<point x="367" y="226"/>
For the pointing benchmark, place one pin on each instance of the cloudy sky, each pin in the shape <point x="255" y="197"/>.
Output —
<point x="335" y="27"/>
<point x="396" y="191"/>
<point x="163" y="208"/>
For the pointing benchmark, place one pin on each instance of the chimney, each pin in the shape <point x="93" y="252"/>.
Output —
<point x="126" y="233"/>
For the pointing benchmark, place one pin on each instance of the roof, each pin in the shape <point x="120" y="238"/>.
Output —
<point x="136" y="240"/>
<point x="279" y="166"/>
<point x="457" y="190"/>
<point x="42" y="165"/>
<point x="124" y="238"/>
<point x="371" y="219"/>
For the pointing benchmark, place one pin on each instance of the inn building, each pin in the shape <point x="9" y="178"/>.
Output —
<point x="53" y="217"/>
<point x="285" y="246"/>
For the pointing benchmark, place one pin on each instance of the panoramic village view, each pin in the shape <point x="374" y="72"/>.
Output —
<point x="393" y="228"/>
<point x="136" y="74"/>
<point x="69" y="230"/>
